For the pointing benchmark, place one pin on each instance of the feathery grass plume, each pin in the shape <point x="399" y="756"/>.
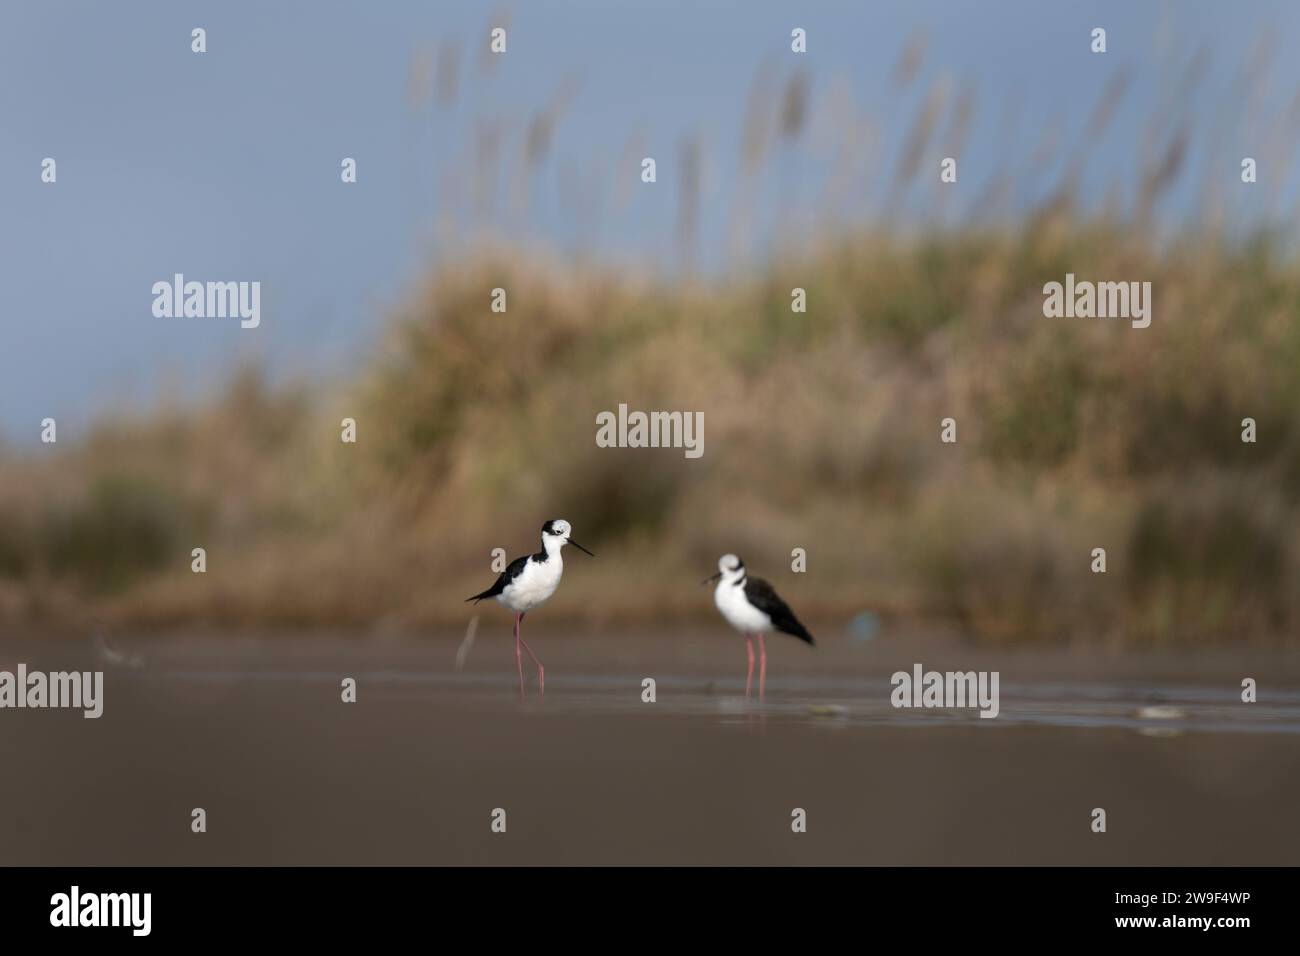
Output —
<point x="487" y="60"/>
<point x="688" y="194"/>
<point x="1103" y="111"/>
<point x="1099" y="119"/>
<point x="913" y="155"/>
<point x="756" y="134"/>
<point x="542" y="128"/>
<point x="628" y="157"/>
<point x="1160" y="176"/>
<point x="963" y="114"/>
<point x="417" y="79"/>
<point x="908" y="65"/>
<point x="840" y="132"/>
<point x="448" y="82"/>
<point x="794" y="106"/>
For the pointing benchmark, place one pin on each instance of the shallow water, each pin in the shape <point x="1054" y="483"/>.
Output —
<point x="1156" y="709"/>
<point x="254" y="730"/>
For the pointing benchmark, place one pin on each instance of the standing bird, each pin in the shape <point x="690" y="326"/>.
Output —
<point x="751" y="606"/>
<point x="528" y="582"/>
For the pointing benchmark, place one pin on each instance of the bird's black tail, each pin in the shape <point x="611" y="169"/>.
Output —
<point x="791" y="625"/>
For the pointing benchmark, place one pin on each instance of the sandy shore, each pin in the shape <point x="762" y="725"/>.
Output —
<point x="254" y="732"/>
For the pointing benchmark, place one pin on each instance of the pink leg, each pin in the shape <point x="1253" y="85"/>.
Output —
<point x="519" y="659"/>
<point x="749" y="679"/>
<point x="762" y="668"/>
<point x="541" y="671"/>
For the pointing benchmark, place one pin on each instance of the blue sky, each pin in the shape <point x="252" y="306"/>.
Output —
<point x="225" y="165"/>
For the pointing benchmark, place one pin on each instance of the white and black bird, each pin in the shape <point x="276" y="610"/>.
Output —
<point x="752" y="607"/>
<point x="528" y="582"/>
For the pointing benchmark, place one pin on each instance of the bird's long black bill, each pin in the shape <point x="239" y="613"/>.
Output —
<point x="580" y="547"/>
<point x="711" y="578"/>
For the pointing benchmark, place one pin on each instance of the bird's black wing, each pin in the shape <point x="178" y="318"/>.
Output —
<point x="512" y="571"/>
<point x="762" y="596"/>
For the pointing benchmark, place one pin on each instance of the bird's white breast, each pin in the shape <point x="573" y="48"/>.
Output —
<point x="735" y="607"/>
<point x="534" y="585"/>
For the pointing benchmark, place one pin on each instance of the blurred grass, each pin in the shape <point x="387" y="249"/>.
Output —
<point x="821" y="432"/>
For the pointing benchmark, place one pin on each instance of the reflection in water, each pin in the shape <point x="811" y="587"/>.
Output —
<point x="826" y="702"/>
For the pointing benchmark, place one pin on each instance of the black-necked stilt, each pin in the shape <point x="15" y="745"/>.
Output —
<point x="752" y="607"/>
<point x="528" y="582"/>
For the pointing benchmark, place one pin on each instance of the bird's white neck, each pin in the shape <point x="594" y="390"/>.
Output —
<point x="731" y="578"/>
<point x="552" y="546"/>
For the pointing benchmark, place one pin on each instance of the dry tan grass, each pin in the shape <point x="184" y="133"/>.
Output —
<point x="822" y="432"/>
